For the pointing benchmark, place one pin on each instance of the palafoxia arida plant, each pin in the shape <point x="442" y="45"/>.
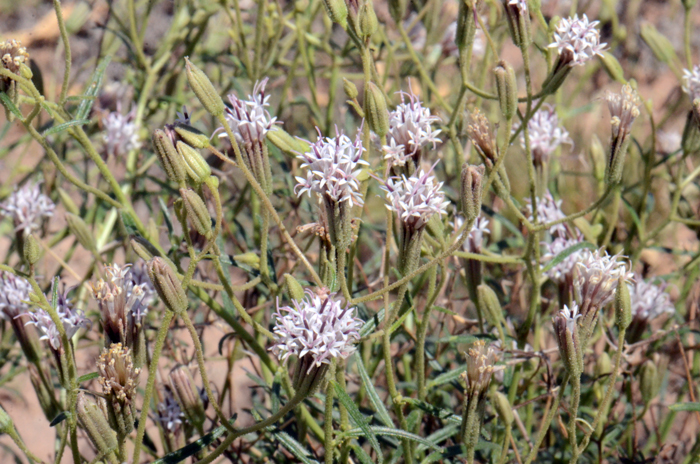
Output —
<point x="254" y="231"/>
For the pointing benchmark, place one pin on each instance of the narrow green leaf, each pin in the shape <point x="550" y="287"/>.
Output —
<point x="372" y="323"/>
<point x="361" y="454"/>
<point x="7" y="102"/>
<point x="86" y="377"/>
<point x="65" y="126"/>
<point x="195" y="447"/>
<point x="566" y="253"/>
<point x="63" y="415"/>
<point x="358" y="418"/>
<point x="372" y="394"/>
<point x="685" y="407"/>
<point x="295" y="448"/>
<point x="440" y="436"/>
<point x="92" y="89"/>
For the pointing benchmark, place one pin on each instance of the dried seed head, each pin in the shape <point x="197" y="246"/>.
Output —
<point x="567" y="335"/>
<point x="482" y="136"/>
<point x="481" y="360"/>
<point x="118" y="376"/>
<point x="624" y="109"/>
<point x="13" y="55"/>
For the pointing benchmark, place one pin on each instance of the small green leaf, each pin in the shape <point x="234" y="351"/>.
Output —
<point x="361" y="454"/>
<point x="92" y="89"/>
<point x="374" y="398"/>
<point x="7" y="102"/>
<point x="685" y="407"/>
<point x="86" y="377"/>
<point x="566" y="253"/>
<point x="295" y="448"/>
<point x="65" y="126"/>
<point x="358" y="418"/>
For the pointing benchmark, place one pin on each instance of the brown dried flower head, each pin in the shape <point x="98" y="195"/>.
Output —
<point x="481" y="360"/>
<point x="118" y="376"/>
<point x="13" y="55"/>
<point x="480" y="133"/>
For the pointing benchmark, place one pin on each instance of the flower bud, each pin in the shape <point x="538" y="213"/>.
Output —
<point x="204" y="89"/>
<point x="197" y="167"/>
<point x="167" y="285"/>
<point x="503" y="407"/>
<point x="169" y="157"/>
<point x="81" y="231"/>
<point x="294" y="289"/>
<point x="93" y="420"/>
<point x="193" y="137"/>
<point x="397" y="8"/>
<point x="31" y="249"/>
<point x="472" y="177"/>
<point x="490" y="307"/>
<point x="507" y="89"/>
<point x="648" y="381"/>
<point x="285" y="142"/>
<point x="367" y="20"/>
<point x="690" y="141"/>
<point x="518" y="23"/>
<point x="623" y="305"/>
<point x="338" y="11"/>
<point x="661" y="47"/>
<point x="603" y="365"/>
<point x="187" y="395"/>
<point x="67" y="201"/>
<point x="6" y="424"/>
<point x="197" y="212"/>
<point x="141" y="249"/>
<point x="350" y="89"/>
<point x="376" y="110"/>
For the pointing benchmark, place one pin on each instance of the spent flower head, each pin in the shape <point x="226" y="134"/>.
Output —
<point x="333" y="165"/>
<point x="415" y="199"/>
<point x="624" y="109"/>
<point x="475" y="239"/>
<point x="483" y="137"/>
<point x="691" y="82"/>
<point x="546" y="134"/>
<point x="27" y="207"/>
<point x="480" y="360"/>
<point x="596" y="278"/>
<point x="249" y="120"/>
<point x="118" y="376"/>
<point x="12" y="55"/>
<point x="121" y="133"/>
<point x="578" y="40"/>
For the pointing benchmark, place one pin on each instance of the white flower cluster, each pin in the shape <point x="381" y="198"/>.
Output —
<point x="410" y="129"/>
<point x="691" y="82"/>
<point x="249" y="120"/>
<point x="415" y="199"/>
<point x="121" y="133"/>
<point x="318" y="327"/>
<point x="27" y="206"/>
<point x="578" y="37"/>
<point x="596" y="278"/>
<point x="546" y="134"/>
<point x="14" y="291"/>
<point x="649" y="301"/>
<point x="71" y="318"/>
<point x="332" y="168"/>
<point x="562" y="271"/>
<point x="548" y="210"/>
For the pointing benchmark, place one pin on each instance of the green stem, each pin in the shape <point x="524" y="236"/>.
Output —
<point x="66" y="46"/>
<point x="328" y="418"/>
<point x="545" y="423"/>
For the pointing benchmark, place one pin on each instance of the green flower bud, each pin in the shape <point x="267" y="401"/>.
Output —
<point x="338" y="11"/>
<point x="6" y="424"/>
<point x="507" y="89"/>
<point x="169" y="157"/>
<point x="197" y="212"/>
<point x="167" y="285"/>
<point x="204" y="89"/>
<point x="141" y="248"/>
<point x="648" y="381"/>
<point x="32" y="249"/>
<point x="82" y="233"/>
<point x="603" y="365"/>
<point x="197" y="167"/>
<point x="93" y="420"/>
<point x="518" y="23"/>
<point x="285" y="142"/>
<point x="376" y="111"/>
<point x="350" y="89"/>
<point x="623" y="305"/>
<point x="192" y="136"/>
<point x="397" y="8"/>
<point x="661" y="47"/>
<point x="613" y="67"/>
<point x="187" y="395"/>
<point x="690" y="141"/>
<point x="67" y="201"/>
<point x="472" y="179"/>
<point x="367" y="20"/>
<point x="503" y="407"/>
<point x="294" y="289"/>
<point x="490" y="307"/>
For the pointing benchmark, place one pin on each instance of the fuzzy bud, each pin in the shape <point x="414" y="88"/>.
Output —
<point x="603" y="365"/>
<point x="503" y="407"/>
<point x="518" y="21"/>
<point x="285" y="142"/>
<point x="82" y="233"/>
<point x="294" y="289"/>
<point x="367" y="20"/>
<point x="648" y="381"/>
<point x="187" y="395"/>
<point x="197" y="212"/>
<point x="31" y="249"/>
<point x="507" y="89"/>
<point x="193" y="137"/>
<point x="204" y="89"/>
<point x="169" y="157"/>
<point x="338" y="11"/>
<point x="488" y="302"/>
<point x="397" y="8"/>
<point x="167" y="285"/>
<point x="195" y="164"/>
<point x="623" y="305"/>
<point x="141" y="248"/>
<point x="376" y="111"/>
<point x="67" y="201"/>
<point x="93" y="420"/>
<point x="472" y="179"/>
<point x="350" y="89"/>
<point x="6" y="424"/>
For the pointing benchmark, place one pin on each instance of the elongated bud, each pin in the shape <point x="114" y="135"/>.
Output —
<point x="6" y="424"/>
<point x="472" y="180"/>
<point x="623" y="305"/>
<point x="518" y="22"/>
<point x="197" y="167"/>
<point x="67" y="201"/>
<point x="338" y="11"/>
<point x="648" y="381"/>
<point x="31" y="249"/>
<point x="93" y="420"/>
<point x="167" y="285"/>
<point x="367" y="19"/>
<point x="503" y="407"/>
<point x="350" y="89"/>
<point x="141" y="248"/>
<point x="197" y="211"/>
<point x="285" y="142"/>
<point x="603" y="365"/>
<point x="187" y="395"/>
<point x="376" y="111"/>
<point x="507" y="89"/>
<point x="169" y="157"/>
<point x="397" y="9"/>
<point x="294" y="289"/>
<point x="193" y="137"/>
<point x="490" y="307"/>
<point x="204" y="89"/>
<point x="81" y="231"/>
